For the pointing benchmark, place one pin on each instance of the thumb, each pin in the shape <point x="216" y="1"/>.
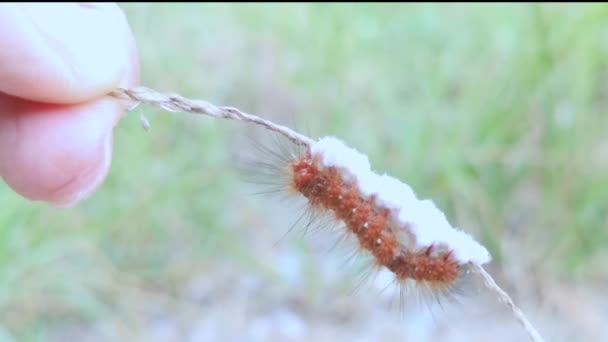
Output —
<point x="61" y="53"/>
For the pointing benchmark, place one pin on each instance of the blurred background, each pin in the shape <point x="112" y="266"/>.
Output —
<point x="496" y="112"/>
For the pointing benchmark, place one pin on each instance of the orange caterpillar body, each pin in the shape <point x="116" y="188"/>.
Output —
<point x="374" y="225"/>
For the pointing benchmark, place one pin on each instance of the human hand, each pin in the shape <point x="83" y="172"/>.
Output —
<point x="57" y="62"/>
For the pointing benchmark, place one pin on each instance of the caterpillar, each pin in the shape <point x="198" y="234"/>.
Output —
<point x="401" y="234"/>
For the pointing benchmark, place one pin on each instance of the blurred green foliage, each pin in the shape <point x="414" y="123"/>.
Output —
<point x="497" y="112"/>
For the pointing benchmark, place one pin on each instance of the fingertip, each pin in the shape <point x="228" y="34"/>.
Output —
<point x="57" y="154"/>
<point x="75" y="54"/>
<point x="82" y="186"/>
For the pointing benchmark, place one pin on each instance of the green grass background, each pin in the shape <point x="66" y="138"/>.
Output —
<point x="497" y="112"/>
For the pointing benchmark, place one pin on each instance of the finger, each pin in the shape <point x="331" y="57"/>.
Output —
<point x="60" y="153"/>
<point x="71" y="55"/>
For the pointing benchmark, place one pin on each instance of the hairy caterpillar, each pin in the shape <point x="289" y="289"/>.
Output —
<point x="406" y="236"/>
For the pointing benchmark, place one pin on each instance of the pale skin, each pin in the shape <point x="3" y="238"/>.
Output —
<point x="57" y="63"/>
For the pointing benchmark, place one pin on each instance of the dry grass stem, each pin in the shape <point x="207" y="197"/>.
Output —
<point x="178" y="103"/>
<point x="491" y="285"/>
